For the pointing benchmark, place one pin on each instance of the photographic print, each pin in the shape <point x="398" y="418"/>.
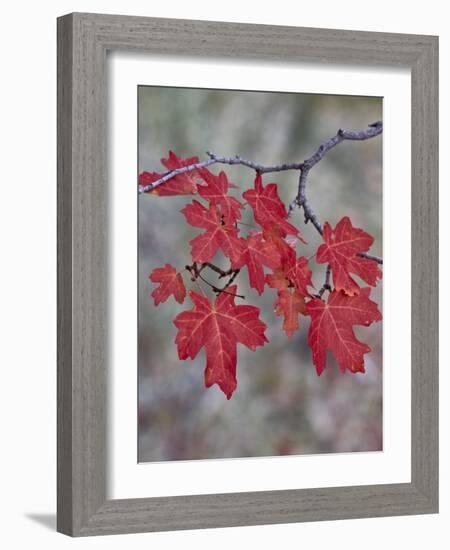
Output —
<point x="259" y="274"/>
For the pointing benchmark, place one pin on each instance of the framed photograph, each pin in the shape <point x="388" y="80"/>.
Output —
<point x="247" y="274"/>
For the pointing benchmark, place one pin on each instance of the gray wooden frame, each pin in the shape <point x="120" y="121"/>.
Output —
<point x="83" y="40"/>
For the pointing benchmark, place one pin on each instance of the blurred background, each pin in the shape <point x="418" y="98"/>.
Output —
<point x="280" y="406"/>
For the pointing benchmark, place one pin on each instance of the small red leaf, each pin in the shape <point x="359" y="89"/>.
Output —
<point x="340" y="250"/>
<point x="171" y="284"/>
<point x="216" y="193"/>
<point x="332" y="328"/>
<point x="146" y="178"/>
<point x="181" y="184"/>
<point x="267" y="206"/>
<point x="300" y="275"/>
<point x="218" y="327"/>
<point x="290" y="305"/>
<point x="257" y="253"/>
<point x="217" y="234"/>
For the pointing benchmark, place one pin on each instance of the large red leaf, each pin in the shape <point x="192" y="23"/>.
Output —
<point x="216" y="193"/>
<point x="332" y="328"/>
<point x="342" y="244"/>
<point x="217" y="234"/>
<point x="257" y="253"/>
<point x="187" y="183"/>
<point x="218" y="327"/>
<point x="171" y="284"/>
<point x="268" y="209"/>
<point x="290" y="305"/>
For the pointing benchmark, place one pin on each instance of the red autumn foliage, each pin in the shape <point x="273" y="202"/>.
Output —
<point x="290" y="305"/>
<point x="216" y="192"/>
<point x="171" y="284"/>
<point x="219" y="325"/>
<point x="217" y="234"/>
<point x="332" y="328"/>
<point x="257" y="253"/>
<point x="300" y="275"/>
<point x="341" y="248"/>
<point x="267" y="206"/>
<point x="182" y="184"/>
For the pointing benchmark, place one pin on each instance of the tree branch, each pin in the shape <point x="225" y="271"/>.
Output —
<point x="217" y="269"/>
<point x="195" y="271"/>
<point x="169" y="175"/>
<point x="261" y="168"/>
<point x="326" y="285"/>
<point x="215" y="159"/>
<point x="301" y="200"/>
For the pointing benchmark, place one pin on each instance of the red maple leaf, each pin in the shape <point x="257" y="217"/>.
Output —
<point x="290" y="305"/>
<point x="285" y="247"/>
<point x="146" y="178"/>
<point x="299" y="274"/>
<point x="216" y="193"/>
<point x="332" y="328"/>
<point x="217" y="234"/>
<point x="342" y="244"/>
<point x="257" y="253"/>
<point x="293" y="272"/>
<point x="278" y="280"/>
<point x="187" y="183"/>
<point x="218" y="327"/>
<point x="267" y="206"/>
<point x="171" y="284"/>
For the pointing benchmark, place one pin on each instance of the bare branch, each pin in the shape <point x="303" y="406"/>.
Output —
<point x="373" y="130"/>
<point x="195" y="270"/>
<point x="371" y="257"/>
<point x="169" y="175"/>
<point x="230" y="281"/>
<point x="261" y="168"/>
<point x="301" y="200"/>
<point x="326" y="284"/>
<point x="217" y="269"/>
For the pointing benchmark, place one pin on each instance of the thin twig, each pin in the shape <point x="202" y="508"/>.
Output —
<point x="231" y="279"/>
<point x="218" y="290"/>
<point x="326" y="285"/>
<point x="196" y="270"/>
<point x="261" y="168"/>
<point x="370" y="257"/>
<point x="301" y="199"/>
<point x="169" y="175"/>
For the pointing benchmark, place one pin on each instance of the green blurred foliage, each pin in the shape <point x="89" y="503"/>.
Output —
<point x="280" y="406"/>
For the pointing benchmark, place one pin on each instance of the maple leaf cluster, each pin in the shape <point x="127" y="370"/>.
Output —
<point x="270" y="257"/>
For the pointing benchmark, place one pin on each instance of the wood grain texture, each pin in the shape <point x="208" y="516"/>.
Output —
<point x="64" y="198"/>
<point x="83" y="205"/>
<point x="425" y="275"/>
